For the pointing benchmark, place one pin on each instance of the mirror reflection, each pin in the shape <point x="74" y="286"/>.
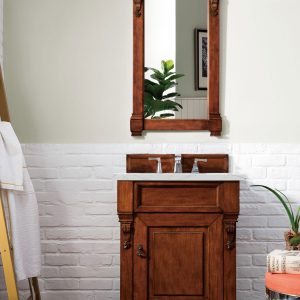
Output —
<point x="176" y="60"/>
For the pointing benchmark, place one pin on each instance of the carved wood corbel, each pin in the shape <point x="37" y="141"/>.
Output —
<point x="214" y="7"/>
<point x="230" y="228"/>
<point x="138" y="8"/>
<point x="136" y="124"/>
<point x="126" y="229"/>
<point x="215" y="124"/>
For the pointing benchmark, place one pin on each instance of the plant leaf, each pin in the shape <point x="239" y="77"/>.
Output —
<point x="169" y="73"/>
<point x="156" y="97"/>
<point x="147" y="97"/>
<point x="163" y="66"/>
<point x="155" y="90"/>
<point x="165" y="105"/>
<point x="288" y="201"/>
<point x="168" y="65"/>
<point x="152" y="106"/>
<point x="147" y="81"/>
<point x="169" y="85"/>
<point x="166" y="115"/>
<point x="297" y="219"/>
<point x="175" y="76"/>
<point x="155" y="70"/>
<point x="279" y="197"/>
<point x="148" y="108"/>
<point x="170" y="95"/>
<point x="159" y="73"/>
<point x="157" y="77"/>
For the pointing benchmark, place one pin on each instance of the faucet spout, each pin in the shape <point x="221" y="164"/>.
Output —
<point x="158" y="159"/>
<point x="195" y="168"/>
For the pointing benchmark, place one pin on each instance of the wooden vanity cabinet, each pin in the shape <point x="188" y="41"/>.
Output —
<point x="178" y="239"/>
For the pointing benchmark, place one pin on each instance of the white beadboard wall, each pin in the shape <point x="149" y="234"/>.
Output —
<point x="76" y="192"/>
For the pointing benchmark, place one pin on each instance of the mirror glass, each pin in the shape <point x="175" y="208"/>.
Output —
<point x="176" y="59"/>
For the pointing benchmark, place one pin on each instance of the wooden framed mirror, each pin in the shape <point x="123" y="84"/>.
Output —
<point x="176" y="66"/>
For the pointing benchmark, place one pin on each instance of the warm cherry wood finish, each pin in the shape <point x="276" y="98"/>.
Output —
<point x="178" y="240"/>
<point x="216" y="163"/>
<point x="214" y="122"/>
<point x="177" y="196"/>
<point x="3" y="103"/>
<point x="165" y="260"/>
<point x="176" y="124"/>
<point x="139" y="163"/>
<point x="177" y="250"/>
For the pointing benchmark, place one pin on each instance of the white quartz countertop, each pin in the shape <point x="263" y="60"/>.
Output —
<point x="179" y="177"/>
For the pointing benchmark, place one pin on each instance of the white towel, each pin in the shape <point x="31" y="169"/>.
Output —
<point x="23" y="206"/>
<point x="11" y="159"/>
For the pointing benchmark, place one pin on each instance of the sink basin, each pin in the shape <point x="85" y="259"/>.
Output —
<point x="179" y="177"/>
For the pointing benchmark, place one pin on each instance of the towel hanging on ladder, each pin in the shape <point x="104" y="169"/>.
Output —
<point x="23" y="206"/>
<point x="5" y="243"/>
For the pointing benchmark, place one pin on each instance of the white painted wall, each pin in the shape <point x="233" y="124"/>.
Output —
<point x="260" y="69"/>
<point x="68" y="68"/>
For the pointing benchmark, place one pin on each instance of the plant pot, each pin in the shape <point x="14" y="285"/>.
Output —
<point x="287" y="236"/>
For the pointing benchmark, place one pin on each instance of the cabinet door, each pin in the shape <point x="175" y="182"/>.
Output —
<point x="178" y="257"/>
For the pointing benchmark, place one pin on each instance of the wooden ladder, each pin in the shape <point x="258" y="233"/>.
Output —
<point x="5" y="244"/>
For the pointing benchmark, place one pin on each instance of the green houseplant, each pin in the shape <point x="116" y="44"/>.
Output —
<point x="156" y="95"/>
<point x="292" y="236"/>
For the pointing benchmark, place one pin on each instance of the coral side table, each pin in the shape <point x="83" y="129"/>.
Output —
<point x="282" y="286"/>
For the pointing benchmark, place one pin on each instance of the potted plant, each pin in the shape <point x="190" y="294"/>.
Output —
<point x="292" y="237"/>
<point x="156" y="96"/>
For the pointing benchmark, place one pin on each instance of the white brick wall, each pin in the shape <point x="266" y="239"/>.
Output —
<point x="76" y="192"/>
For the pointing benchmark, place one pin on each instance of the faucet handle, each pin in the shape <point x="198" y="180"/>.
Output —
<point x="158" y="159"/>
<point x="177" y="164"/>
<point x="195" y="168"/>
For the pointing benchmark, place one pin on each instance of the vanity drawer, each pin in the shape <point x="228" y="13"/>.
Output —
<point x="178" y="197"/>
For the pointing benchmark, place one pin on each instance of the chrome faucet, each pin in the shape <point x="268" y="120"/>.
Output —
<point x="177" y="165"/>
<point x="159" y="169"/>
<point x="195" y="168"/>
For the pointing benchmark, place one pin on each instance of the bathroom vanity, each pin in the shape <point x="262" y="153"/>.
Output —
<point x="178" y="235"/>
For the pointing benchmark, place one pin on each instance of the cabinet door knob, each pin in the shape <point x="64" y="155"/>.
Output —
<point x="140" y="251"/>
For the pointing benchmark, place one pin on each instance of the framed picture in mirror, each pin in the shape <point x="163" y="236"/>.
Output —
<point x="201" y="59"/>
